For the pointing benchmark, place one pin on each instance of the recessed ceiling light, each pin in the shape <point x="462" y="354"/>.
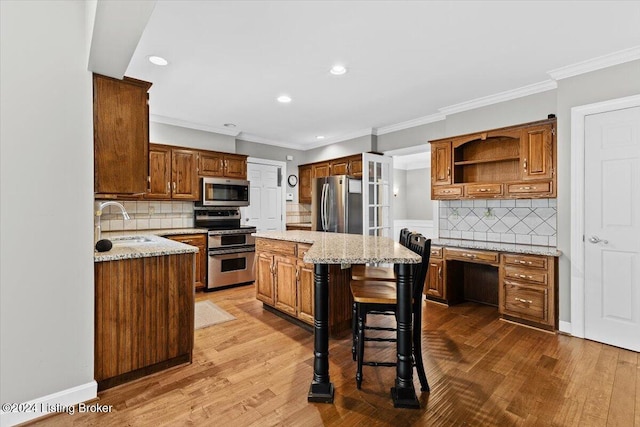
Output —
<point x="158" y="60"/>
<point x="284" y="99"/>
<point x="338" y="70"/>
<point x="320" y="137"/>
<point x="229" y="125"/>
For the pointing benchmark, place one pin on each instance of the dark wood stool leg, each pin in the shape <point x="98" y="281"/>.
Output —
<point x="404" y="394"/>
<point x="417" y="346"/>
<point x="321" y="389"/>
<point x="354" y="330"/>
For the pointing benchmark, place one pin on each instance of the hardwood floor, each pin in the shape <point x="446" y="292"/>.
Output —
<point x="256" y="370"/>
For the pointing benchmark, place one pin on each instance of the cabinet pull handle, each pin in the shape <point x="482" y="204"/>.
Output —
<point x="469" y="255"/>
<point x="446" y="191"/>
<point x="524" y="276"/>
<point x="440" y="272"/>
<point x="526" y="301"/>
<point x="434" y="252"/>
<point x="525" y="188"/>
<point x="483" y="190"/>
<point x="448" y="171"/>
<point x="525" y="165"/>
<point x="297" y="275"/>
<point x="523" y="262"/>
<point x="168" y="187"/>
<point x="174" y="186"/>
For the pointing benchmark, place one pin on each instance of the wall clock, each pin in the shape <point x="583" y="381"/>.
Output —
<point x="292" y="180"/>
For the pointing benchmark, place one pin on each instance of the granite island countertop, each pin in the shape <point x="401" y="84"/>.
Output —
<point x="157" y="246"/>
<point x="498" y="247"/>
<point x="341" y="248"/>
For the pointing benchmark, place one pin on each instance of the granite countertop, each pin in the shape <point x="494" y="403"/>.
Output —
<point x="340" y="248"/>
<point x="496" y="246"/>
<point x="157" y="246"/>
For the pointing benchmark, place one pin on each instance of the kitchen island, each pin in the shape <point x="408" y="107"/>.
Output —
<point x="329" y="249"/>
<point x="144" y="307"/>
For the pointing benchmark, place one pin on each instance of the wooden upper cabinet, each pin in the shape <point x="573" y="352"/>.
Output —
<point x="235" y="166"/>
<point x="121" y="135"/>
<point x="304" y="184"/>
<point x="211" y="164"/>
<point x="441" y="163"/>
<point x="321" y="169"/>
<point x="351" y="166"/>
<point x="355" y="166"/>
<point x="512" y="162"/>
<point x="227" y="165"/>
<point x="339" y="167"/>
<point x="184" y="174"/>
<point x="159" y="172"/>
<point x="536" y="152"/>
<point x="173" y="173"/>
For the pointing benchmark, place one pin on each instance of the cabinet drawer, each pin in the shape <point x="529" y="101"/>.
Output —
<point x="525" y="300"/>
<point x="472" y="255"/>
<point x="447" y="191"/>
<point x="276" y="246"/>
<point x="528" y="275"/>
<point x="302" y="250"/>
<point x="530" y="188"/>
<point x="436" y="252"/>
<point x="525" y="261"/>
<point x="483" y="190"/>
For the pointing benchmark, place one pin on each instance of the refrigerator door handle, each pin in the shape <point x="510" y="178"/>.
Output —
<point x="323" y="207"/>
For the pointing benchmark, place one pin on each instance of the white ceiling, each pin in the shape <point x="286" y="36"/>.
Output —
<point x="229" y="60"/>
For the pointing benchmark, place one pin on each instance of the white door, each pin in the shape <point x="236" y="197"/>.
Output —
<point x="265" y="197"/>
<point x="377" y="184"/>
<point x="612" y="228"/>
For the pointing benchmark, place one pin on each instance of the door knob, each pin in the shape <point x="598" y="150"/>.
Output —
<point x="596" y="239"/>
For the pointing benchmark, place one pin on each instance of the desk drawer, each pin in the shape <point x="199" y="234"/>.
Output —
<point x="525" y="261"/>
<point x="529" y="301"/>
<point x="436" y="252"/>
<point x="472" y="255"/>
<point x="483" y="190"/>
<point x="526" y="274"/>
<point x="448" y="191"/>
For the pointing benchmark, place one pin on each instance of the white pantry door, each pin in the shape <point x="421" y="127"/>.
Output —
<point x="612" y="228"/>
<point x="265" y="197"/>
<point x="377" y="184"/>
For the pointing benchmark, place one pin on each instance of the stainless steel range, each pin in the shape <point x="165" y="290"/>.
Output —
<point x="230" y="249"/>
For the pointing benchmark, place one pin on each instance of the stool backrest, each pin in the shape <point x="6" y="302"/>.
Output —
<point x="404" y="236"/>
<point x="422" y="246"/>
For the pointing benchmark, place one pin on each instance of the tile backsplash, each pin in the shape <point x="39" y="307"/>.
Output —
<point x="146" y="215"/>
<point x="526" y="221"/>
<point x="298" y="212"/>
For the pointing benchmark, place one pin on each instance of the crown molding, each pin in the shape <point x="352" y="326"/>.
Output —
<point x="340" y="138"/>
<point x="185" y="124"/>
<point x="410" y="123"/>
<point x="597" y="63"/>
<point x="496" y="98"/>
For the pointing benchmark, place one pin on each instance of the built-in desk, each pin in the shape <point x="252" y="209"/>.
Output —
<point x="520" y="280"/>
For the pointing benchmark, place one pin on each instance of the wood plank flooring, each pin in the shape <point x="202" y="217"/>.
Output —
<point x="256" y="370"/>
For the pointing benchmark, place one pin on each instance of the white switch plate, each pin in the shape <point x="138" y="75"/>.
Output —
<point x="289" y="197"/>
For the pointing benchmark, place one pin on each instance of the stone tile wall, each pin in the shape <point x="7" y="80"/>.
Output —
<point x="147" y="215"/>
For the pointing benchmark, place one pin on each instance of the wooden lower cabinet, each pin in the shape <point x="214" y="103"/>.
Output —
<point x="286" y="283"/>
<point x="435" y="282"/>
<point x="199" y="241"/>
<point x="144" y="316"/>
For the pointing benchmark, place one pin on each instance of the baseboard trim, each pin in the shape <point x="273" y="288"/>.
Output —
<point x="51" y="403"/>
<point x="564" y="327"/>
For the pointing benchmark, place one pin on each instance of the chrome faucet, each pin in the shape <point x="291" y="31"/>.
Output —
<point x="98" y="231"/>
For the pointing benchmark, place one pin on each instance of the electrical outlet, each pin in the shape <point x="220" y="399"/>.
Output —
<point x="454" y="213"/>
<point x="489" y="214"/>
<point x="152" y="210"/>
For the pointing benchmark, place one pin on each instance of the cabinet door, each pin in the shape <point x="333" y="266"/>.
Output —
<point x="355" y="166"/>
<point x="184" y="174"/>
<point x="305" y="292"/>
<point x="121" y="135"/>
<point x="286" y="284"/>
<point x="199" y="241"/>
<point x="339" y="167"/>
<point x="441" y="163"/>
<point x="435" y="280"/>
<point x="264" y="279"/>
<point x="536" y="152"/>
<point x="321" y="169"/>
<point x="159" y="172"/>
<point x="211" y="164"/>
<point x="235" y="166"/>
<point x="304" y="184"/>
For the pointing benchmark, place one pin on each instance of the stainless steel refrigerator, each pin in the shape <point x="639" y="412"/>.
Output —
<point x="336" y="204"/>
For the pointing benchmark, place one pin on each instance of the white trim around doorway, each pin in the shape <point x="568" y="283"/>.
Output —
<point x="578" y="115"/>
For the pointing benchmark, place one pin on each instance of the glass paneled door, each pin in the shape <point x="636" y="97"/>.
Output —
<point x="377" y="184"/>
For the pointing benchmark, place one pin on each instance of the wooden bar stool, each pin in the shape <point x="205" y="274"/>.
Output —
<point x="380" y="298"/>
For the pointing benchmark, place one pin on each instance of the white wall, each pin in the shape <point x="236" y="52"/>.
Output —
<point x="361" y="144"/>
<point x="161" y="133"/>
<point x="46" y="193"/>
<point x="419" y="203"/>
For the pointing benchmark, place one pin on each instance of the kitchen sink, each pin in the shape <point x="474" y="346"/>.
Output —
<point x="130" y="240"/>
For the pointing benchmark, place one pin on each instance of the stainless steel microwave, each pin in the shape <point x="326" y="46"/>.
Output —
<point x="224" y="192"/>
